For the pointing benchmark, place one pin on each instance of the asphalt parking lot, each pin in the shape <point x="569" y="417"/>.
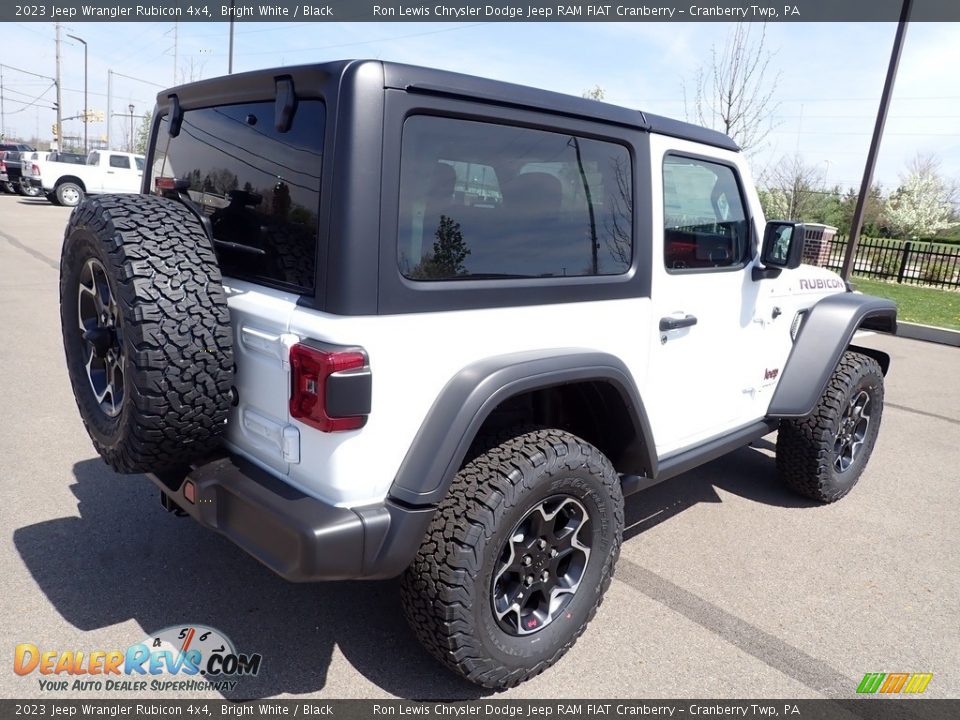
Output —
<point x="727" y="586"/>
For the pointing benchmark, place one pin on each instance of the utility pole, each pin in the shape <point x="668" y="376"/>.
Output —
<point x="230" y="61"/>
<point x="857" y="222"/>
<point x="176" y="58"/>
<point x="109" y="104"/>
<point x="3" y="114"/>
<point x="131" y="109"/>
<point x="86" y="106"/>
<point x="59" y="104"/>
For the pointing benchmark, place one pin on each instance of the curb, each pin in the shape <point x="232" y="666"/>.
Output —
<point x="928" y="333"/>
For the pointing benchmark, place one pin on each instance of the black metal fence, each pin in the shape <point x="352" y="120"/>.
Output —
<point x="914" y="263"/>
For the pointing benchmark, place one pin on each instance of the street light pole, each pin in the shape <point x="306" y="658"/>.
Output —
<point x="856" y="223"/>
<point x="86" y="107"/>
<point x="130" y="108"/>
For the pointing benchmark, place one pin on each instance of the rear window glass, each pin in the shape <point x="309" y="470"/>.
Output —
<point x="485" y="201"/>
<point x="260" y="187"/>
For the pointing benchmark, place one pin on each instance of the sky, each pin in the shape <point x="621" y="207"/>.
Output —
<point x="827" y="77"/>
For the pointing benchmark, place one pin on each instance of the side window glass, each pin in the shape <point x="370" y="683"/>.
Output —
<point x="120" y="161"/>
<point x="139" y="162"/>
<point x="485" y="201"/>
<point x="704" y="223"/>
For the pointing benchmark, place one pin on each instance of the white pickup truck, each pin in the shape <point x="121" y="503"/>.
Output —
<point x="106" y="171"/>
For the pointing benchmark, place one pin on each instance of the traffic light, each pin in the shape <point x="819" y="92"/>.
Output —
<point x="53" y="129"/>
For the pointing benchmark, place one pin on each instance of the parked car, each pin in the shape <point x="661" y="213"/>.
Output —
<point x="10" y="168"/>
<point x="30" y="180"/>
<point x="105" y="171"/>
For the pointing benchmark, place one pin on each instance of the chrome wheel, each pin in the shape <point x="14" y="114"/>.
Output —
<point x="100" y="334"/>
<point x="852" y="431"/>
<point x="541" y="565"/>
<point x="70" y="195"/>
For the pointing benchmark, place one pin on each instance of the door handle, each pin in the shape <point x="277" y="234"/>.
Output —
<point x="675" y="323"/>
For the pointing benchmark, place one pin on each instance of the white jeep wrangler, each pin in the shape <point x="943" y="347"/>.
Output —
<point x="368" y="319"/>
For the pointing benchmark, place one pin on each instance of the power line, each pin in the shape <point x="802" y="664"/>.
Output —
<point x="28" y="72"/>
<point x="32" y="102"/>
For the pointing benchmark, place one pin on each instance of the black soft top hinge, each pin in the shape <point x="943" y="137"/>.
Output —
<point x="176" y="115"/>
<point x="286" y="104"/>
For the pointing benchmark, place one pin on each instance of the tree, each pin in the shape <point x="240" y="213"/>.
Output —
<point x="594" y="93"/>
<point x="924" y="203"/>
<point x="735" y="92"/>
<point x="449" y="253"/>
<point x="143" y="134"/>
<point x="872" y="211"/>
<point x="794" y="191"/>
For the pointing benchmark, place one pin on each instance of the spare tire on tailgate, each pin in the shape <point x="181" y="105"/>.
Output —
<point x="146" y="331"/>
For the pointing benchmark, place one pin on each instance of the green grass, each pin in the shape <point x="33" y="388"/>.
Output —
<point x="927" y="306"/>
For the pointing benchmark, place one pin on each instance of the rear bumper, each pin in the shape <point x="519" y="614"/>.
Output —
<point x="297" y="536"/>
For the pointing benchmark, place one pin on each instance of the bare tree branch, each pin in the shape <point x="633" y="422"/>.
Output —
<point x="734" y="93"/>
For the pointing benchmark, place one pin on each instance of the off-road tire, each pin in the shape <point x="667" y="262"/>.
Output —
<point x="7" y="187"/>
<point x="293" y="250"/>
<point x="64" y="196"/>
<point x="446" y="592"/>
<point x="173" y="331"/>
<point x="806" y="447"/>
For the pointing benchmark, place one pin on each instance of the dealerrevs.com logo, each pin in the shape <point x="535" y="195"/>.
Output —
<point x="179" y="658"/>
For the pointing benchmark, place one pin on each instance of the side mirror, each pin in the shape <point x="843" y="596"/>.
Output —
<point x="783" y="244"/>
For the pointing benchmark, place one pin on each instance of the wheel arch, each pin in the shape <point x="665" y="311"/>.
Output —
<point x="70" y="178"/>
<point x="475" y="396"/>
<point x="825" y="335"/>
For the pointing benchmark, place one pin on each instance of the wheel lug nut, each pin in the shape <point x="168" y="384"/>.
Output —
<point x="529" y="580"/>
<point x="553" y="552"/>
<point x="545" y="576"/>
<point x="527" y="560"/>
<point x="542" y="544"/>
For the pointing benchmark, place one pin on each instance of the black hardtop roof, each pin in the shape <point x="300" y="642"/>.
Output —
<point x="413" y="78"/>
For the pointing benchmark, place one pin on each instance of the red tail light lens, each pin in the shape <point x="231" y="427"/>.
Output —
<point x="310" y="369"/>
<point x="35" y="169"/>
<point x="164" y="183"/>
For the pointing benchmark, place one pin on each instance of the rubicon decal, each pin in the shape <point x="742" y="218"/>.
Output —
<point x="822" y="284"/>
<point x="889" y="683"/>
<point x="203" y="655"/>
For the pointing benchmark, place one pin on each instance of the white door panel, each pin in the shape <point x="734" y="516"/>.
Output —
<point x="704" y="374"/>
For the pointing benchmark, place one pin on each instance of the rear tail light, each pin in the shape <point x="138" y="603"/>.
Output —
<point x="330" y="388"/>
<point x="34" y="169"/>
<point x="164" y="183"/>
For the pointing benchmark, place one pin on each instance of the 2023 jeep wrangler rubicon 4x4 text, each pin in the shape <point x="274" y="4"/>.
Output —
<point x="368" y="319"/>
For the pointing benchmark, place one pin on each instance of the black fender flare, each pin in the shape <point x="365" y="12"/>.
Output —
<point x="825" y="334"/>
<point x="469" y="397"/>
